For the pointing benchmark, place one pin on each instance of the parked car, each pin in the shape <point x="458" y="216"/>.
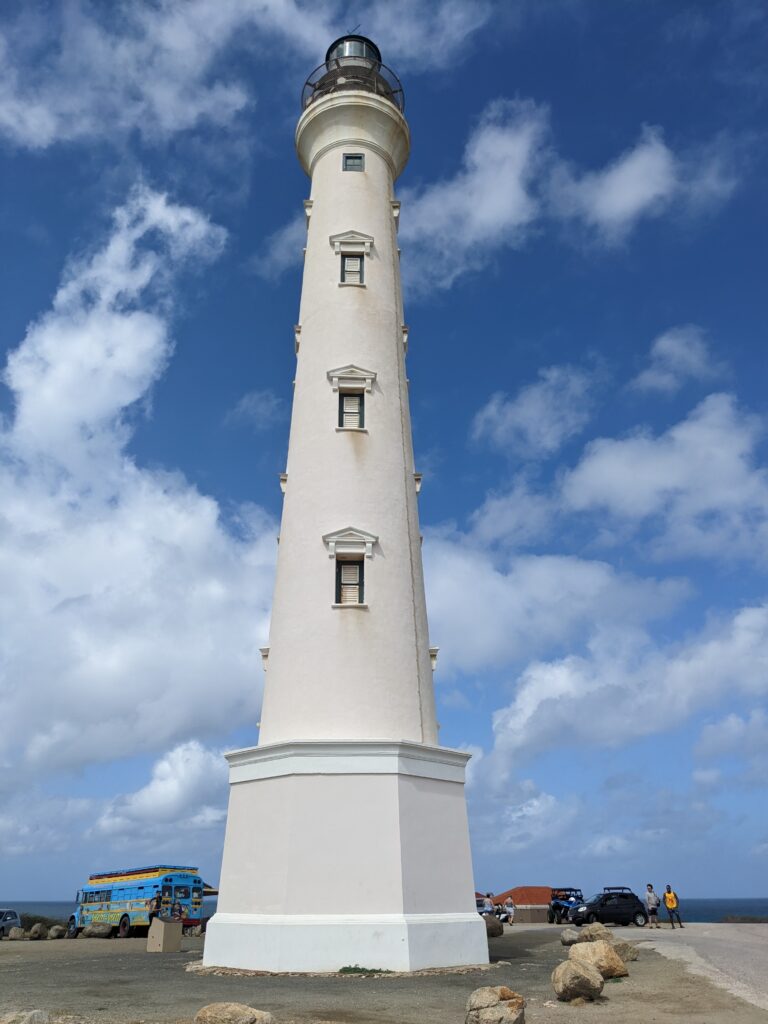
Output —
<point x="8" y="919"/>
<point x="563" y="900"/>
<point x="616" y="904"/>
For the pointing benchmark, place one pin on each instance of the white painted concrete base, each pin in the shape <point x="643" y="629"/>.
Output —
<point x="346" y="852"/>
<point x="327" y="942"/>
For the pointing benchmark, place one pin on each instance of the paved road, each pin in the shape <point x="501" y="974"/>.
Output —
<point x="733" y="956"/>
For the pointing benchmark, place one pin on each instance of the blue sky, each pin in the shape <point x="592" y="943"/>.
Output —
<point x="583" y="234"/>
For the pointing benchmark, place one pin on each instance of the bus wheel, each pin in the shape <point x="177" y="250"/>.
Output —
<point x="72" y="928"/>
<point x="124" y="928"/>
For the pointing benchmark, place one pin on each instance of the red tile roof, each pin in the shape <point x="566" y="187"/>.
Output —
<point x="527" y="895"/>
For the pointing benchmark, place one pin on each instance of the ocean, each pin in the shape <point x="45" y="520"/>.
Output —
<point x="690" y="909"/>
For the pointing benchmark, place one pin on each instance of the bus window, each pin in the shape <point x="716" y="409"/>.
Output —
<point x="197" y="892"/>
<point x="167" y="892"/>
<point x="181" y="892"/>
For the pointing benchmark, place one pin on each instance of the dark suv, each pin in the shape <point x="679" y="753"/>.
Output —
<point x="616" y="904"/>
<point x="563" y="900"/>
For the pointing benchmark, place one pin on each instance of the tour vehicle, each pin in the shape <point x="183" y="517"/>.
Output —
<point x="563" y="900"/>
<point x="8" y="919"/>
<point x="616" y="904"/>
<point x="122" y="898"/>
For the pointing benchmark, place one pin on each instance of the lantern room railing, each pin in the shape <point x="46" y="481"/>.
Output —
<point x="346" y="73"/>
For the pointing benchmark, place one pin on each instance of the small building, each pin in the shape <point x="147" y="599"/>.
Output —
<point x="531" y="902"/>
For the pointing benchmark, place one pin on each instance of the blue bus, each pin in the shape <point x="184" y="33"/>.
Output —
<point x="122" y="898"/>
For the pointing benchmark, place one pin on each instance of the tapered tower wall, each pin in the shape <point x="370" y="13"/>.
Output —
<point x="350" y="672"/>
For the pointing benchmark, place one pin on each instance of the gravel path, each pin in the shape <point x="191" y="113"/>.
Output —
<point x="733" y="956"/>
<point x="92" y="981"/>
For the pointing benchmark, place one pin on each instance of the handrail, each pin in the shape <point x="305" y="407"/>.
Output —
<point x="351" y="72"/>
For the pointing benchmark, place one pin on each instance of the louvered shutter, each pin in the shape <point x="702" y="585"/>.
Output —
<point x="352" y="269"/>
<point x="350" y="583"/>
<point x="350" y="409"/>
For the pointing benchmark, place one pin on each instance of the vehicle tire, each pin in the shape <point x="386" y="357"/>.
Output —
<point x="72" y="928"/>
<point x="592" y="919"/>
<point x="124" y="928"/>
<point x="550" y="917"/>
<point x="2" y="933"/>
<point x="640" y="920"/>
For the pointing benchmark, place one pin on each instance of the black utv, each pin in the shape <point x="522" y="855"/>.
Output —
<point x="563" y="900"/>
<point x="616" y="904"/>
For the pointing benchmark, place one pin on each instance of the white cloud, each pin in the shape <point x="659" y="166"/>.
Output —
<point x="458" y="225"/>
<point x="696" y="486"/>
<point x="282" y="249"/>
<point x="678" y="355"/>
<point x="261" y="410"/>
<point x="607" y="846"/>
<point x="734" y="735"/>
<point x="516" y="517"/>
<point x="641" y="182"/>
<point x="540" y="417"/>
<point x="519" y="609"/>
<point x="631" y="686"/>
<point x="187" y="792"/>
<point x="82" y="70"/>
<point x="126" y="592"/>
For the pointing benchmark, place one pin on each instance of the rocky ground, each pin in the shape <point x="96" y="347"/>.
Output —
<point x="117" y="982"/>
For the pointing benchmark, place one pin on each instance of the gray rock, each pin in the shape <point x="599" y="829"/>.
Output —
<point x="601" y="955"/>
<point x="97" y="930"/>
<point x="626" y="950"/>
<point x="16" y="934"/>
<point x="57" y="931"/>
<point x="38" y="931"/>
<point x="595" y="932"/>
<point x="232" y="1013"/>
<point x="569" y="936"/>
<point x="495" y="1004"/>
<point x="493" y="926"/>
<point x="574" y="979"/>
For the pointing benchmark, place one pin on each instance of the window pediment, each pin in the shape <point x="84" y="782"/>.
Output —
<point x="352" y="242"/>
<point x="349" y="542"/>
<point x="350" y="377"/>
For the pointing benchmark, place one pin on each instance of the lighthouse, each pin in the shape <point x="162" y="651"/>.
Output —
<point x="347" y="840"/>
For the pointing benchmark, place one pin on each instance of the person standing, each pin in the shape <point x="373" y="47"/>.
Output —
<point x="672" y="903"/>
<point x="652" y="904"/>
<point x="488" y="904"/>
<point x="509" y="910"/>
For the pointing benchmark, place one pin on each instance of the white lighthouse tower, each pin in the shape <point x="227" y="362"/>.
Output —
<point x="347" y="839"/>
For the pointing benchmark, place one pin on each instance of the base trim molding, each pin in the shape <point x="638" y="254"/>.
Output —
<point x="328" y="942"/>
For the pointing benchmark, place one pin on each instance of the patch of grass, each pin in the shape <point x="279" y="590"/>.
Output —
<point x="614" y="981"/>
<point x="357" y="969"/>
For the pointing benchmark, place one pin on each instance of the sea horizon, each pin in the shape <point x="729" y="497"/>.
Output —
<point x="702" y="910"/>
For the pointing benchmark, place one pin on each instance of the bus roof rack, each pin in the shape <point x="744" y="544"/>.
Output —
<point x="151" y="869"/>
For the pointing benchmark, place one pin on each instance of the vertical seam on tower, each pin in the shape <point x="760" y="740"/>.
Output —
<point x="408" y="474"/>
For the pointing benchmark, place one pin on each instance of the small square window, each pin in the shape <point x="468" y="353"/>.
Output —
<point x="351" y="409"/>
<point x="349" y="582"/>
<point x="353" y="162"/>
<point x="352" y="269"/>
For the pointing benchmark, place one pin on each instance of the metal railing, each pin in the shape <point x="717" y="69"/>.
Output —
<point x="344" y="73"/>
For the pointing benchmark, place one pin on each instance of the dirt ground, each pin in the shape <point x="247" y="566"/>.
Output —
<point x="118" y="982"/>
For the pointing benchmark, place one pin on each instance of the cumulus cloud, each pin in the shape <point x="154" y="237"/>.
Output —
<point x="84" y="70"/>
<point x="734" y="735"/>
<point x="696" y="486"/>
<point x="678" y="355"/>
<point x="540" y="417"/>
<point x="186" y="793"/>
<point x="516" y="517"/>
<point x="127" y="590"/>
<point x="642" y="182"/>
<point x="524" y="606"/>
<point x="631" y="685"/>
<point x="456" y="225"/>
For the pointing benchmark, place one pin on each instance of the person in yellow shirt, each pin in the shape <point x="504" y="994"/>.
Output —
<point x="672" y="903"/>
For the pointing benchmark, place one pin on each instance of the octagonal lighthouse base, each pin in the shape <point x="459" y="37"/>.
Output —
<point x="346" y="853"/>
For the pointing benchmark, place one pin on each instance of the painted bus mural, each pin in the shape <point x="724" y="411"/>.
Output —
<point x="123" y="899"/>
